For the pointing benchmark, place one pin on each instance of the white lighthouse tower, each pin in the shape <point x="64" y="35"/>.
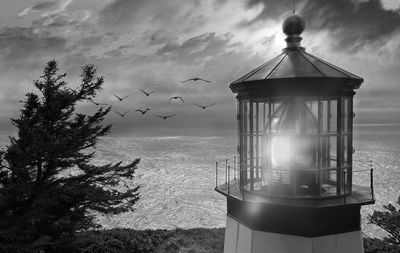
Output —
<point x="293" y="191"/>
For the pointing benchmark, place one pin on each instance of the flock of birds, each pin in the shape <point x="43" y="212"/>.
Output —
<point x="148" y="93"/>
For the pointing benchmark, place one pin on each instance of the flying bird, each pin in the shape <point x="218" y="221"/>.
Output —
<point x="204" y="106"/>
<point x="120" y="98"/>
<point x="97" y="103"/>
<point x="177" y="97"/>
<point x="122" y="114"/>
<point x="143" y="111"/>
<point x="164" y="117"/>
<point x="196" y="79"/>
<point x="147" y="93"/>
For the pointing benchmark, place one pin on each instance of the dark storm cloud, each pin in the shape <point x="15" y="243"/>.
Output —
<point x="356" y="24"/>
<point x="19" y="43"/>
<point x="45" y="5"/>
<point x="272" y="9"/>
<point x="123" y="15"/>
<point x="121" y="10"/>
<point x="55" y="20"/>
<point x="40" y="6"/>
<point x="188" y="46"/>
<point x="195" y="48"/>
<point x="353" y="23"/>
<point x="158" y="37"/>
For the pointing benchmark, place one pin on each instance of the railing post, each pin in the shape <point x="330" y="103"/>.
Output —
<point x="372" y="183"/>
<point x="216" y="174"/>
<point x="234" y="168"/>
<point x="229" y="179"/>
<point x="226" y="171"/>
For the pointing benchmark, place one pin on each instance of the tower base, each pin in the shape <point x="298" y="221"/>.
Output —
<point x="241" y="239"/>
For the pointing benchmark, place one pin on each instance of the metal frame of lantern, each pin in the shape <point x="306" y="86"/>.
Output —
<point x="331" y="101"/>
<point x="329" y="173"/>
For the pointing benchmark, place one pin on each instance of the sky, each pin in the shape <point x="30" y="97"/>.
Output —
<point x="154" y="45"/>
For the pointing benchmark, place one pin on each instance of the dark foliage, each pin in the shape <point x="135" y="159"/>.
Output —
<point x="199" y="240"/>
<point x="374" y="245"/>
<point x="41" y="204"/>
<point x="388" y="220"/>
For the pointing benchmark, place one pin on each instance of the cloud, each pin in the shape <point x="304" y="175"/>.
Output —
<point x="123" y="14"/>
<point x="46" y="8"/>
<point x="391" y="4"/>
<point x="271" y="9"/>
<point x="352" y="24"/>
<point x="41" y="6"/>
<point x="195" y="49"/>
<point x="172" y="16"/>
<point x="55" y="21"/>
<point x="355" y="24"/>
<point x="19" y="44"/>
<point x="121" y="10"/>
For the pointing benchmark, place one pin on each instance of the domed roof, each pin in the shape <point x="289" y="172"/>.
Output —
<point x="295" y="65"/>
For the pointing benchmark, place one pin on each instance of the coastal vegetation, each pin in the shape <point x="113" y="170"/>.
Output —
<point x="197" y="240"/>
<point x="389" y="221"/>
<point x="49" y="187"/>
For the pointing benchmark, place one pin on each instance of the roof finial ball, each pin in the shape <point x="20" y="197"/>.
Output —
<point x="293" y="27"/>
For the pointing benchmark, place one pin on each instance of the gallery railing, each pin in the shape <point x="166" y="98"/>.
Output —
<point x="346" y="184"/>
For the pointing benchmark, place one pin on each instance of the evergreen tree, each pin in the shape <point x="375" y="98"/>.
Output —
<point x="42" y="206"/>
<point x="388" y="220"/>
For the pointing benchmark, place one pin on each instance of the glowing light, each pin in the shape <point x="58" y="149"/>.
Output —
<point x="304" y="152"/>
<point x="288" y="150"/>
<point x="282" y="154"/>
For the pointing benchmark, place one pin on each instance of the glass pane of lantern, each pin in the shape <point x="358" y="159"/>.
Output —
<point x="259" y="155"/>
<point x="314" y="108"/>
<point x="277" y="109"/>
<point x="245" y="117"/>
<point x="264" y="121"/>
<point x="333" y="115"/>
<point x="293" y="116"/>
<point x="324" y="114"/>
<point x="332" y="179"/>
<point x="347" y="183"/>
<point x="330" y="186"/>
<point x="324" y="151"/>
<point x="345" y="116"/>
<point x="333" y="151"/>
<point x="248" y="145"/>
<point x="345" y="150"/>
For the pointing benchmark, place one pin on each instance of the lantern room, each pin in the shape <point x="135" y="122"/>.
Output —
<point x="294" y="172"/>
<point x="295" y="136"/>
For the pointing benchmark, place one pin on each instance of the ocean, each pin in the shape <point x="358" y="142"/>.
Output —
<point x="176" y="175"/>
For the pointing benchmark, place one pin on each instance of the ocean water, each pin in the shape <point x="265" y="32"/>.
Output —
<point x="177" y="176"/>
<point x="177" y="180"/>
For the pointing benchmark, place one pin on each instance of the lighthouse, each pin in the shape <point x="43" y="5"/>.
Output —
<point x="292" y="188"/>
